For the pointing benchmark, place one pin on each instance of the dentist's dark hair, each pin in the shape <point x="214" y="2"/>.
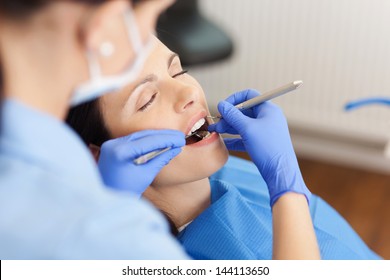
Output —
<point x="18" y="10"/>
<point x="23" y="8"/>
<point x="1" y="96"/>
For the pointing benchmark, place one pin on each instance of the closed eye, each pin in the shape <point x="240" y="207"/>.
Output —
<point x="144" y="107"/>
<point x="180" y="73"/>
<point x="151" y="100"/>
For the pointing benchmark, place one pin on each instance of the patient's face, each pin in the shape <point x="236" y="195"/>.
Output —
<point x="165" y="97"/>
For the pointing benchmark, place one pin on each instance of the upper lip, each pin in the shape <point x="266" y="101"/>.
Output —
<point x="201" y="115"/>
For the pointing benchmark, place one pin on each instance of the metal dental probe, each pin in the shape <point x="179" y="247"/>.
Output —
<point x="147" y="157"/>
<point x="242" y="106"/>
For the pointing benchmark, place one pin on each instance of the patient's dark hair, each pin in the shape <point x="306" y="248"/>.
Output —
<point x="87" y="120"/>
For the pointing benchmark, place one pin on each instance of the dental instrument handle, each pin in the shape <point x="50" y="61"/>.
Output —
<point x="265" y="97"/>
<point x="149" y="156"/>
<point x="269" y="95"/>
<point x="145" y="158"/>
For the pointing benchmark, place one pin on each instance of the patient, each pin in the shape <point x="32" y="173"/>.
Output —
<point x="217" y="210"/>
<point x="174" y="100"/>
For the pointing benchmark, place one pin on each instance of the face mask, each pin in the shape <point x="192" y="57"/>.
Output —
<point x="99" y="85"/>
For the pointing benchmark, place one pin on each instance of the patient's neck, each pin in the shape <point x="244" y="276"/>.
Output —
<point x="182" y="203"/>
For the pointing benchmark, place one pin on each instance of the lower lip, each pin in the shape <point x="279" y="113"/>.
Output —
<point x="212" y="138"/>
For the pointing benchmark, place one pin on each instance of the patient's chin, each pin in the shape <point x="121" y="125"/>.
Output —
<point x="182" y="170"/>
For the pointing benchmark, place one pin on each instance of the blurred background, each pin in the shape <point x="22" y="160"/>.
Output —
<point x="341" y="51"/>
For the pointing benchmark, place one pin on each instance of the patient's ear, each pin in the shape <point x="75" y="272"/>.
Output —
<point x="95" y="150"/>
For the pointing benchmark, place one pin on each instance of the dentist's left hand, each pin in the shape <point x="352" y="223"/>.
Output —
<point x="265" y="136"/>
<point x="116" y="158"/>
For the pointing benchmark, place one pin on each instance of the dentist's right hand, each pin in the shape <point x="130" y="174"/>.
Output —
<point x="116" y="158"/>
<point x="265" y="136"/>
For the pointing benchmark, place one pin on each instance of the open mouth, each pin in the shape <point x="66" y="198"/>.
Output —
<point x="198" y="132"/>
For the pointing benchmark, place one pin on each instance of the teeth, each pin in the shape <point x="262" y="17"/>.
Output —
<point x="203" y="134"/>
<point x="196" y="126"/>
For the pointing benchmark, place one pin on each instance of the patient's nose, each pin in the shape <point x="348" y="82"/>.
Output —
<point x="185" y="98"/>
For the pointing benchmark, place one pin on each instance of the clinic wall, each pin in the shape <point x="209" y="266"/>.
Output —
<point x="339" y="48"/>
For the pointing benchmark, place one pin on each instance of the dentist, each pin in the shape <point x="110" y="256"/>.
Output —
<point x="53" y="201"/>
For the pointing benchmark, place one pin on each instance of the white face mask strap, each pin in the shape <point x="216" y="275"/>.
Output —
<point x="133" y="31"/>
<point x="99" y="84"/>
<point x="135" y="40"/>
<point x="93" y="65"/>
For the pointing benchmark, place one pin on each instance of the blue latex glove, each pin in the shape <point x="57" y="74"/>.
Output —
<point x="116" y="158"/>
<point x="265" y="136"/>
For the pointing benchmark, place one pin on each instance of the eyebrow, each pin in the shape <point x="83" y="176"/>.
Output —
<point x="148" y="79"/>
<point x="151" y="77"/>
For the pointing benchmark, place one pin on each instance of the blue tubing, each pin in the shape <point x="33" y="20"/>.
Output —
<point x="366" y="101"/>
